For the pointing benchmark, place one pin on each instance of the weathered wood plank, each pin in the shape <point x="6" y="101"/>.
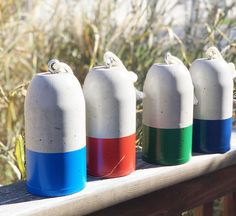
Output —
<point x="100" y="194"/>
<point x="204" y="210"/>
<point x="180" y="197"/>
<point x="229" y="205"/>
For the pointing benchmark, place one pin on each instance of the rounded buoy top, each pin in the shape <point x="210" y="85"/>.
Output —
<point x="49" y="97"/>
<point x="111" y="102"/>
<point x="212" y="79"/>
<point x="168" y="101"/>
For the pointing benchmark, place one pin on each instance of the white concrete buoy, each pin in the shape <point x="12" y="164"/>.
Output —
<point x="55" y="132"/>
<point x="111" y="118"/>
<point x="213" y="82"/>
<point x="168" y="113"/>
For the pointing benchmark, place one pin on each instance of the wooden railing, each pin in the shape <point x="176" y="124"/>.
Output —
<point x="180" y="197"/>
<point x="150" y="190"/>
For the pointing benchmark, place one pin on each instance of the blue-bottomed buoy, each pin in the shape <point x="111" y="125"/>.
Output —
<point x="55" y="133"/>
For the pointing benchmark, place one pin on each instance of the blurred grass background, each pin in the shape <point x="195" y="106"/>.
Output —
<point x="140" y="32"/>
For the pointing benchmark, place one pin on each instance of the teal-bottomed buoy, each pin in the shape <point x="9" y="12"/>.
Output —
<point x="168" y="113"/>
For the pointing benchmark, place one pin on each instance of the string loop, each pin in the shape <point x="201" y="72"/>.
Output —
<point x="55" y="66"/>
<point x="111" y="60"/>
<point x="170" y="59"/>
<point x="213" y="53"/>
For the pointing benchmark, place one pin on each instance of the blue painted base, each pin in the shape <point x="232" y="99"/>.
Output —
<point x="212" y="136"/>
<point x="56" y="174"/>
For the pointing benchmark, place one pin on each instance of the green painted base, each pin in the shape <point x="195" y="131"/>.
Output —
<point x="167" y="146"/>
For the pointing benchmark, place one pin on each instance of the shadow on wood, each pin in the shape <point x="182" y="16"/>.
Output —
<point x="16" y="194"/>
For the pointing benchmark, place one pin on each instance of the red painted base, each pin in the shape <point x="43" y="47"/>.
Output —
<point x="110" y="158"/>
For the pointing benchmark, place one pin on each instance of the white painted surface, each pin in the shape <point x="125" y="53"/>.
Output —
<point x="55" y="114"/>
<point x="110" y="103"/>
<point x="100" y="194"/>
<point x="213" y="87"/>
<point x="168" y="101"/>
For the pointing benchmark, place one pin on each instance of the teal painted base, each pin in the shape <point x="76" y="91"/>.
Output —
<point x="167" y="146"/>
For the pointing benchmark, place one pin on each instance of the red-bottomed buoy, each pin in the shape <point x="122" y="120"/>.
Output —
<point x="111" y="119"/>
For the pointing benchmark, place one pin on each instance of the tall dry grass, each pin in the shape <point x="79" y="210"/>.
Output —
<point x="33" y="32"/>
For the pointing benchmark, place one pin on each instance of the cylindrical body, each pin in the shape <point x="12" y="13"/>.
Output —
<point x="167" y="114"/>
<point x="212" y="125"/>
<point x="55" y="135"/>
<point x="111" y="122"/>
